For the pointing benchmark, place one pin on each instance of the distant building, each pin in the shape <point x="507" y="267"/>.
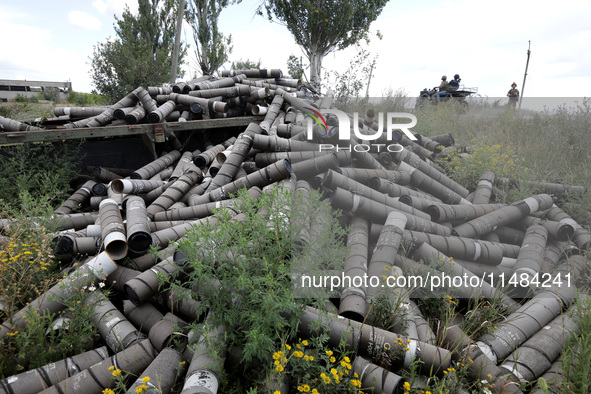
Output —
<point x="11" y="88"/>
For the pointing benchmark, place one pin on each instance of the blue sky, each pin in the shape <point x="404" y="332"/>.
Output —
<point x="485" y="42"/>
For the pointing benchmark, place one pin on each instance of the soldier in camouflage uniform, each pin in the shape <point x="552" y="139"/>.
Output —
<point x="513" y="95"/>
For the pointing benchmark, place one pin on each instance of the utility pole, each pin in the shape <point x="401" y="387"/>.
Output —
<point x="177" y="40"/>
<point x="525" y="76"/>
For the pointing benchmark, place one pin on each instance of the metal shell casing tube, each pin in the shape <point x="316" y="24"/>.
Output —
<point x="484" y="188"/>
<point x="117" y="332"/>
<point x="265" y="176"/>
<point x="148" y="102"/>
<point x="154" y="167"/>
<point x="535" y="356"/>
<point x="79" y="197"/>
<point x="112" y="229"/>
<point x="203" y="374"/>
<point x="353" y="304"/>
<point x="481" y="367"/>
<point x="482" y="225"/>
<point x="162" y="372"/>
<point x="135" y="186"/>
<point x="51" y="301"/>
<point x="333" y="179"/>
<point x="174" y="193"/>
<point x="36" y="380"/>
<point x="442" y="213"/>
<point x="230" y="166"/>
<point x="95" y="379"/>
<point x="161" y="333"/>
<point x="369" y="341"/>
<point x="376" y="378"/>
<point x="377" y="212"/>
<point x="382" y="262"/>
<point x="137" y="225"/>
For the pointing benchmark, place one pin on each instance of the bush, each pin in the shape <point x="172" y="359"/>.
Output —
<point x="35" y="177"/>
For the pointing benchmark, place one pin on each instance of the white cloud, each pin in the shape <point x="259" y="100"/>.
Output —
<point x="114" y="7"/>
<point x="83" y="20"/>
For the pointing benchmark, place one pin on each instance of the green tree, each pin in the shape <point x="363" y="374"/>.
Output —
<point x="212" y="48"/>
<point x="320" y="27"/>
<point x="295" y="68"/>
<point x="141" y="54"/>
<point x="242" y="64"/>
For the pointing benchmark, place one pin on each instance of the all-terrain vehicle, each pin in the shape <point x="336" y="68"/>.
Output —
<point x="427" y="96"/>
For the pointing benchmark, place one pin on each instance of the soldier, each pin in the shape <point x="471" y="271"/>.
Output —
<point x="454" y="84"/>
<point x="442" y="88"/>
<point x="513" y="95"/>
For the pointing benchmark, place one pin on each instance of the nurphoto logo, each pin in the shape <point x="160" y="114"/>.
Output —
<point x="386" y="123"/>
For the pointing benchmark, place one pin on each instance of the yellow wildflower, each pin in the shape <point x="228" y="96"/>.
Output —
<point x="117" y="372"/>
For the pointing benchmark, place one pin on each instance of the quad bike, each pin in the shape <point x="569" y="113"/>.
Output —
<point x="427" y="97"/>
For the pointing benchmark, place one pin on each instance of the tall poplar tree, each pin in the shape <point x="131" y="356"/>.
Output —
<point x="141" y="54"/>
<point x="212" y="47"/>
<point x="320" y="27"/>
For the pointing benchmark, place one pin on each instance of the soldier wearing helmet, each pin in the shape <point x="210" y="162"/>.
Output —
<point x="442" y="88"/>
<point x="454" y="84"/>
<point x="513" y="95"/>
